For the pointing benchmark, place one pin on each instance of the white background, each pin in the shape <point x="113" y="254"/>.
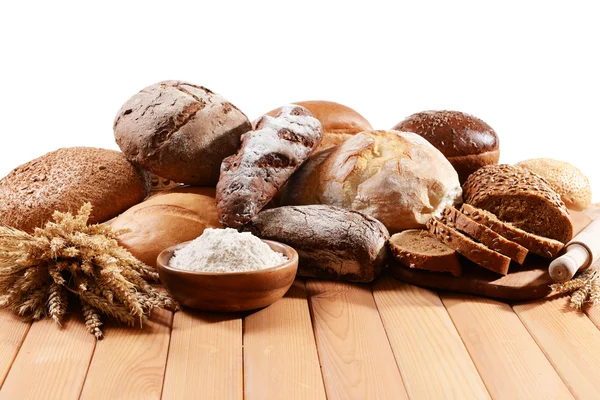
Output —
<point x="529" y="69"/>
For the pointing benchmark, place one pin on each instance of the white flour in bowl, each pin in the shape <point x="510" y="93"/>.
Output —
<point x="226" y="250"/>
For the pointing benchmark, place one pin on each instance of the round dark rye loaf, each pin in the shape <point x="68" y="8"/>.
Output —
<point x="520" y="197"/>
<point x="332" y="242"/>
<point x="64" y="180"/>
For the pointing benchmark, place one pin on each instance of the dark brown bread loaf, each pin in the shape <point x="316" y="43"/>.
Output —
<point x="417" y="248"/>
<point x="520" y="197"/>
<point x="455" y="219"/>
<point x="264" y="163"/>
<point x="536" y="244"/>
<point x="476" y="252"/>
<point x="64" y="180"/>
<point x="466" y="141"/>
<point x="179" y="131"/>
<point x="332" y="242"/>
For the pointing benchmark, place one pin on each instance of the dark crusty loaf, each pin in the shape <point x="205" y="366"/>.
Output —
<point x="476" y="252"/>
<point x="536" y="244"/>
<point x="455" y="219"/>
<point x="520" y="197"/>
<point x="64" y="180"/>
<point x="417" y="248"/>
<point x="332" y="242"/>
<point x="268" y="157"/>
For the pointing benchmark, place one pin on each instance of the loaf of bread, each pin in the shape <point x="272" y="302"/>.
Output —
<point x="179" y="131"/>
<point x="166" y="219"/>
<point x="332" y="243"/>
<point x="339" y="121"/>
<point x="568" y="181"/>
<point x="466" y="141"/>
<point x="264" y="163"/>
<point x="520" y="197"/>
<point x="417" y="248"/>
<point x="396" y="177"/>
<point x="64" y="180"/>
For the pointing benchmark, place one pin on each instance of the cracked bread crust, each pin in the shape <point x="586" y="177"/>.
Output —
<point x="332" y="243"/>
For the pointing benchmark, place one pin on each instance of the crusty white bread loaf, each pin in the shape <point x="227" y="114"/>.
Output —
<point x="519" y="196"/>
<point x="268" y="157"/>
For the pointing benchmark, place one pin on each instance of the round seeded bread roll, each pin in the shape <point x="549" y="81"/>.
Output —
<point x="179" y="131"/>
<point x="397" y="177"/>
<point x="64" y="180"/>
<point x="568" y="181"/>
<point x="467" y="142"/>
<point x="166" y="219"/>
<point x="339" y="122"/>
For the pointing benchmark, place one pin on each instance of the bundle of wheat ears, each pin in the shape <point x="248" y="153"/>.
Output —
<point x="70" y="259"/>
<point x="584" y="288"/>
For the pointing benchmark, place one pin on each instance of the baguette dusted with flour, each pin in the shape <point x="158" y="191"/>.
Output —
<point x="267" y="158"/>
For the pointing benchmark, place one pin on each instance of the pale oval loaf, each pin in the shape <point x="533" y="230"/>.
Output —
<point x="519" y="196"/>
<point x="65" y="179"/>
<point x="568" y="181"/>
<point x="333" y="243"/>
<point x="396" y="177"/>
<point x="166" y="219"/>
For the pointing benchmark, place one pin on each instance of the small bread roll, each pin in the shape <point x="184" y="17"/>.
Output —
<point x="568" y="181"/>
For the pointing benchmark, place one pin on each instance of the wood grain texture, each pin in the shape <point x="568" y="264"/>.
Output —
<point x="12" y="333"/>
<point x="356" y="358"/>
<point x="570" y="341"/>
<point x="52" y="362"/>
<point x="205" y="357"/>
<point x="429" y="352"/>
<point x="506" y="356"/>
<point x="130" y="362"/>
<point x="280" y="354"/>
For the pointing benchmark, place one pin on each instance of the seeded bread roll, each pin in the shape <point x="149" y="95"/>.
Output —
<point x="568" y="181"/>
<point x="64" y="180"/>
<point x="520" y="197"/>
<point x="179" y="131"/>
<point x="536" y="244"/>
<point x="455" y="219"/>
<point x="476" y="252"/>
<point x="417" y="248"/>
<point x="466" y="141"/>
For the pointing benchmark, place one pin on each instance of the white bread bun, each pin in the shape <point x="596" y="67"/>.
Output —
<point x="397" y="177"/>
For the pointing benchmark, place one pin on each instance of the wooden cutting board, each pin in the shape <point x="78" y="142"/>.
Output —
<point x="528" y="282"/>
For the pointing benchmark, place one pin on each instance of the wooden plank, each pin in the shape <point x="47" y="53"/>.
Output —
<point x="429" y="352"/>
<point x="52" y="362"/>
<point x="570" y="341"/>
<point x="12" y="333"/>
<point x="508" y="359"/>
<point x="205" y="357"/>
<point x="130" y="362"/>
<point x="594" y="314"/>
<point x="356" y="357"/>
<point x="280" y="354"/>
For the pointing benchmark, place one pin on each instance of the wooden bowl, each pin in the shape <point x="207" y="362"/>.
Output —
<point x="229" y="291"/>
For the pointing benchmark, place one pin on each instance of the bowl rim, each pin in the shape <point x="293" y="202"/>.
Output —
<point x="291" y="262"/>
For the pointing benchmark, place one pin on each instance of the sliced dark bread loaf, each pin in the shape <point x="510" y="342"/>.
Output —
<point x="455" y="219"/>
<point x="476" y="252"/>
<point x="520" y="197"/>
<point x="417" y="248"/>
<point x="539" y="245"/>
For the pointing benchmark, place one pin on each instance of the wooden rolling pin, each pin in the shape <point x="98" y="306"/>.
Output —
<point x="580" y="253"/>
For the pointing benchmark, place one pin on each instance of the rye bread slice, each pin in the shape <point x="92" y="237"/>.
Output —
<point x="476" y="252"/>
<point x="539" y="245"/>
<point x="455" y="219"/>
<point x="417" y="248"/>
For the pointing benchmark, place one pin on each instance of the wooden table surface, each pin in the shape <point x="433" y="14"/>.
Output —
<point x="323" y="340"/>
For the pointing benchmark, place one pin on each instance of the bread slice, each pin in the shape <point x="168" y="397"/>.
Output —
<point x="455" y="219"/>
<point x="476" y="252"/>
<point x="417" y="248"/>
<point x="520" y="197"/>
<point x="539" y="245"/>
